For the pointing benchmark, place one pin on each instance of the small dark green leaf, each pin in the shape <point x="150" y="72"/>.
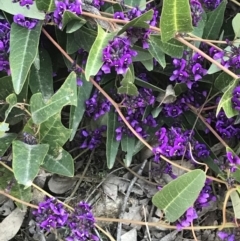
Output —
<point x="66" y="95"/>
<point x="112" y="144"/>
<point x="142" y="54"/>
<point x="6" y="87"/>
<point x="68" y="17"/>
<point x="156" y="51"/>
<point x="128" y="144"/>
<point x="145" y="84"/>
<point x="215" y="21"/>
<point x="94" y="61"/>
<point x="15" y="8"/>
<point x="180" y="194"/>
<point x="41" y="80"/>
<point x="6" y="141"/>
<point x="26" y="161"/>
<point x="85" y="38"/>
<point x="175" y="17"/>
<point x="24" y="48"/>
<point x="128" y="86"/>
<point x="60" y="162"/>
<point x="45" y="5"/>
<point x="222" y="81"/>
<point x="180" y="88"/>
<point x="226" y="101"/>
<point x="76" y="113"/>
<point x="71" y="45"/>
<point x="139" y="22"/>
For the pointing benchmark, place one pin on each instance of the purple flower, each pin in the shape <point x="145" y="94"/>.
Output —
<point x="211" y="4"/>
<point x="91" y="139"/>
<point x="226" y="236"/>
<point x="24" y="21"/>
<point x="117" y="54"/>
<point x="24" y="2"/>
<point x="196" y="11"/>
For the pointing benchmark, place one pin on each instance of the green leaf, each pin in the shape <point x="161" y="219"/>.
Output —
<point x="76" y="113"/>
<point x="26" y="161"/>
<point x="66" y="95"/>
<point x="180" y="88"/>
<point x="172" y="48"/>
<point x="128" y="86"/>
<point x="236" y="204"/>
<point x="45" y="5"/>
<point x="175" y="17"/>
<point x="128" y="144"/>
<point x="69" y="17"/>
<point x="226" y="102"/>
<point x="53" y="132"/>
<point x="112" y="144"/>
<point x="12" y="101"/>
<point x="60" y="162"/>
<point x="41" y="80"/>
<point x="145" y="84"/>
<point x="6" y="141"/>
<point x="139" y="3"/>
<point x="180" y="194"/>
<point x="148" y="64"/>
<point x="139" y="22"/>
<point x="71" y="45"/>
<point x="215" y="21"/>
<point x="156" y="51"/>
<point x="6" y="87"/>
<point x="235" y="25"/>
<point x="8" y="182"/>
<point x="15" y="8"/>
<point x="85" y="38"/>
<point x="222" y="81"/>
<point x="142" y="54"/>
<point x="24" y="48"/>
<point x="94" y="61"/>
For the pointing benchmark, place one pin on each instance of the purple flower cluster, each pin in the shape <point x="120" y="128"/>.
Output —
<point x="203" y="200"/>
<point x="211" y="4"/>
<point x="24" y="21"/>
<point x="73" y="6"/>
<point x="23" y="3"/>
<point x="226" y="127"/>
<point x="97" y="3"/>
<point x="117" y="54"/>
<point x="135" y="33"/>
<point x="224" y="236"/>
<point x="196" y="11"/>
<point x="134" y="111"/>
<point x="193" y="97"/>
<point x="230" y="57"/>
<point x="189" y="69"/>
<point x="91" y="139"/>
<point x="97" y="106"/>
<point x="236" y="98"/>
<point x="4" y="46"/>
<point x="173" y="142"/>
<point x="78" y="224"/>
<point x="233" y="161"/>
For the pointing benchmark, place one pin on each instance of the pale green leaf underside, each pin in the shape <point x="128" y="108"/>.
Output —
<point x="45" y="5"/>
<point x="128" y="144"/>
<point x="180" y="194"/>
<point x="236" y="203"/>
<point x="175" y="17"/>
